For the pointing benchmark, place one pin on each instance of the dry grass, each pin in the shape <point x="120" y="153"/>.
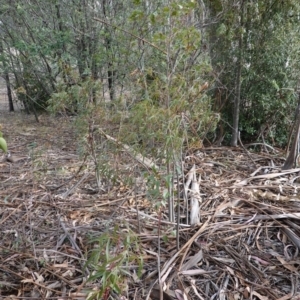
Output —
<point x="246" y="246"/>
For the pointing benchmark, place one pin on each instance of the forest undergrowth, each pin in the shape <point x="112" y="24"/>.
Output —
<point x="64" y="236"/>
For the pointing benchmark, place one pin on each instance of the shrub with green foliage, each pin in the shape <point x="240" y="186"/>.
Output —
<point x="110" y="261"/>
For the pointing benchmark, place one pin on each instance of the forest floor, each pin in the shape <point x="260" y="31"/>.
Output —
<point x="58" y="230"/>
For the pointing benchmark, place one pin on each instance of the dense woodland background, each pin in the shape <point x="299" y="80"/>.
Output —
<point x="137" y="96"/>
<point x="205" y="69"/>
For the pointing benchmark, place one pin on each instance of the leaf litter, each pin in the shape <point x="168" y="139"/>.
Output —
<point x="246" y="245"/>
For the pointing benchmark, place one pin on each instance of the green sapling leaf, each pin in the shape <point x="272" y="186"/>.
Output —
<point x="3" y="144"/>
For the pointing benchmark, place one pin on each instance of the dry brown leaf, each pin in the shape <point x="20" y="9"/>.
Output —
<point x="259" y="296"/>
<point x="64" y="265"/>
<point x="287" y="265"/>
<point x="27" y="280"/>
<point x="196" y="272"/>
<point x="180" y="295"/>
<point x="288" y="296"/>
<point x="193" y="261"/>
<point x="155" y="294"/>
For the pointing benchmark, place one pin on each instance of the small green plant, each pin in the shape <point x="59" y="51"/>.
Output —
<point x="110" y="259"/>
<point x="3" y="144"/>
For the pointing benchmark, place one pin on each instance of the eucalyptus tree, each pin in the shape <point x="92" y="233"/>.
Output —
<point x="273" y="70"/>
<point x="250" y="42"/>
<point x="28" y="39"/>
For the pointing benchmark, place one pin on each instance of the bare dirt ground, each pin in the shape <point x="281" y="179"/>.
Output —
<point x="246" y="246"/>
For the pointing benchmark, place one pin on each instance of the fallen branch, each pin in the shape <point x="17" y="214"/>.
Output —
<point x="138" y="157"/>
<point x="194" y="196"/>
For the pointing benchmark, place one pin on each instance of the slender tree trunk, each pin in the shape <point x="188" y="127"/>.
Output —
<point x="9" y="94"/>
<point x="236" y="109"/>
<point x="62" y="64"/>
<point x="93" y="46"/>
<point x="6" y="78"/>
<point x="291" y="159"/>
<point x="81" y="42"/>
<point x="237" y="98"/>
<point x="111" y="72"/>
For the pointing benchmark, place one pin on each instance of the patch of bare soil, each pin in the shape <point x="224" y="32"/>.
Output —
<point x="246" y="246"/>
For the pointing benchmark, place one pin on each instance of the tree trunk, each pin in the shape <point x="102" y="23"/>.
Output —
<point x="9" y="94"/>
<point x="6" y="78"/>
<point x="291" y="159"/>
<point x="111" y="72"/>
<point x="237" y="98"/>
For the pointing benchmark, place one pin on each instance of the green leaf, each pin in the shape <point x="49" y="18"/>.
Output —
<point x="152" y="19"/>
<point x="275" y="85"/>
<point x="221" y="30"/>
<point x="3" y="144"/>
